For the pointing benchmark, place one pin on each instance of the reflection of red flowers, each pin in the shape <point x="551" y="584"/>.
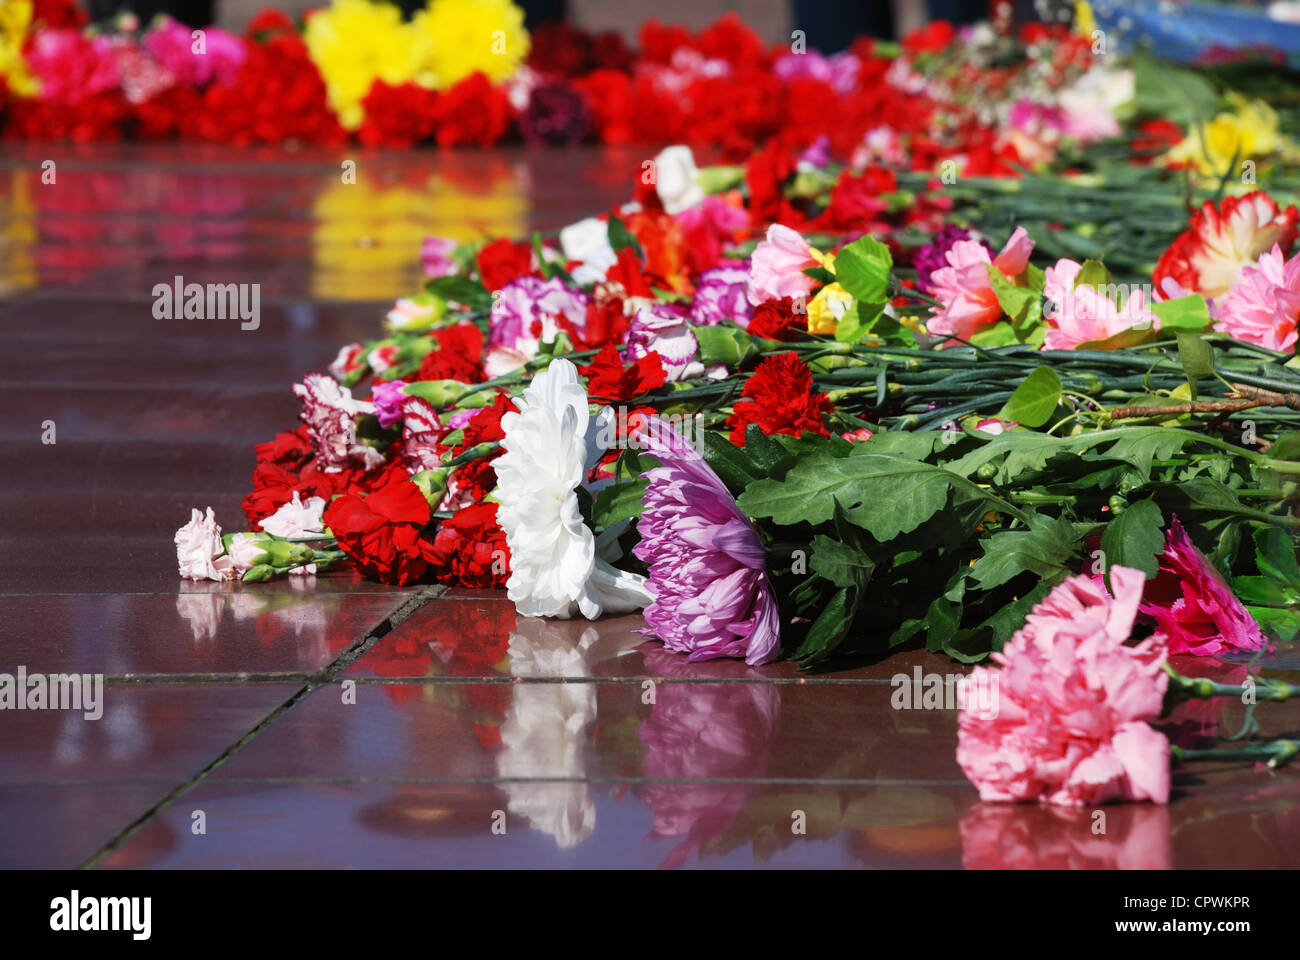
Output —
<point x="501" y="261"/>
<point x="470" y="548"/>
<point x="473" y="112"/>
<point x="776" y="320"/>
<point x="458" y="356"/>
<point x="781" y="399"/>
<point x="397" y="115"/>
<point x="382" y="532"/>
<point x="608" y="380"/>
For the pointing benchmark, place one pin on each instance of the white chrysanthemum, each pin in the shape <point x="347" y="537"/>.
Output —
<point x="554" y="568"/>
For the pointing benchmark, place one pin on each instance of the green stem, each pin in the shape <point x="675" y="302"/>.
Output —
<point x="1276" y="752"/>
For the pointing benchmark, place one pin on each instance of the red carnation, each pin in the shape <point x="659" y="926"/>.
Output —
<point x="609" y="381"/>
<point x="485" y="426"/>
<point x="382" y="533"/>
<point x="856" y="200"/>
<point x="504" y="260"/>
<point x="781" y="399"/>
<point x="473" y="112"/>
<point x="397" y="115"/>
<point x="776" y="320"/>
<point x="458" y="355"/>
<point x="470" y="548"/>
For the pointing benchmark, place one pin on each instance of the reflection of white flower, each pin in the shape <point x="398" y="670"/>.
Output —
<point x="675" y="179"/>
<point x="588" y="241"/>
<point x="545" y="732"/>
<point x="200" y="554"/>
<point x="554" y="568"/>
<point x="297" y="519"/>
<point x="203" y="611"/>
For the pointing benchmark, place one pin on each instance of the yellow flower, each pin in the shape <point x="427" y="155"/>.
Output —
<point x="455" y="38"/>
<point x="1084" y="21"/>
<point x="1251" y="131"/>
<point x="15" y="18"/>
<point x="354" y="43"/>
<point x="825" y="309"/>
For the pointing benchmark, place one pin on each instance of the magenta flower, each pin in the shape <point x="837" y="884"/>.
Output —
<point x="1072" y="700"/>
<point x="388" y="398"/>
<point x="1263" y="303"/>
<point x="1193" y="605"/>
<point x="435" y="256"/>
<point x="712" y="597"/>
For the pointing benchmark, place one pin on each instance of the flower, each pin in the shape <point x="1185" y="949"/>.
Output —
<point x="1219" y="241"/>
<point x="554" y="568"/>
<point x="383" y="533"/>
<point x="354" y="43"/>
<point x="435" y="256"/>
<point x="501" y="261"/>
<point x="1263" y="302"/>
<point x="776" y="270"/>
<point x="780" y="398"/>
<point x="458" y="354"/>
<point x="528" y="312"/>
<point x="1072" y="703"/>
<point x="473" y="112"/>
<point x="676" y="179"/>
<point x="609" y="381"/>
<point x="247" y="550"/>
<point x="776" y="320"/>
<point x="721" y="294"/>
<point x="456" y="38"/>
<point x="416" y="313"/>
<point x="1193" y="606"/>
<point x="587" y="242"/>
<point x="556" y="113"/>
<point x="933" y="256"/>
<point x="1079" y="314"/>
<point x="662" y="329"/>
<point x="1251" y="130"/>
<point x="397" y="115"/>
<point x="470" y="548"/>
<point x="387" y="397"/>
<point x="712" y="597"/>
<point x="297" y="519"/>
<point x="200" y="551"/>
<point x="964" y="288"/>
<point x="172" y="45"/>
<point x="330" y="413"/>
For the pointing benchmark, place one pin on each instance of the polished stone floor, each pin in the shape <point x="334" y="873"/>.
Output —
<point x="338" y="723"/>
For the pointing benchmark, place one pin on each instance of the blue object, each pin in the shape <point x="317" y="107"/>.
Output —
<point x="1184" y="31"/>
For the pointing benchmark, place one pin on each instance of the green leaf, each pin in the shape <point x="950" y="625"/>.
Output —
<point x="1183" y="315"/>
<point x="1275" y="556"/>
<point x="725" y="344"/>
<point x="1133" y="336"/>
<point x="1197" y="358"/>
<point x="1035" y="400"/>
<point x="1045" y="549"/>
<point x="620" y="238"/>
<point x="730" y="462"/>
<point x="1135" y="538"/>
<point x="858" y="321"/>
<point x="842" y="564"/>
<point x="617" y="502"/>
<point x="830" y="626"/>
<point x="1093" y="274"/>
<point x="456" y="289"/>
<point x="1000" y="334"/>
<point x="862" y="269"/>
<point x="1022" y="304"/>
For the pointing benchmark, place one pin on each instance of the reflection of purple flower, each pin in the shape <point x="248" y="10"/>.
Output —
<point x="703" y="731"/>
<point x="388" y="400"/>
<point x="933" y="256"/>
<point x="435" y="256"/>
<point x="712" y="595"/>
<point x="720" y="295"/>
<point x="556" y="113"/>
<point x="662" y="328"/>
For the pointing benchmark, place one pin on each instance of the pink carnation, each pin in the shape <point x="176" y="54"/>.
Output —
<point x="330" y="413"/>
<point x="1073" y="700"/>
<point x="963" y="286"/>
<point x="1077" y="315"/>
<point x="1193" y="606"/>
<point x="173" y="45"/>
<point x="1263" y="302"/>
<point x="776" y="270"/>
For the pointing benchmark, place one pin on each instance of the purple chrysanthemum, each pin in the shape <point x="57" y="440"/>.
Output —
<point x="933" y="256"/>
<point x="712" y="595"/>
